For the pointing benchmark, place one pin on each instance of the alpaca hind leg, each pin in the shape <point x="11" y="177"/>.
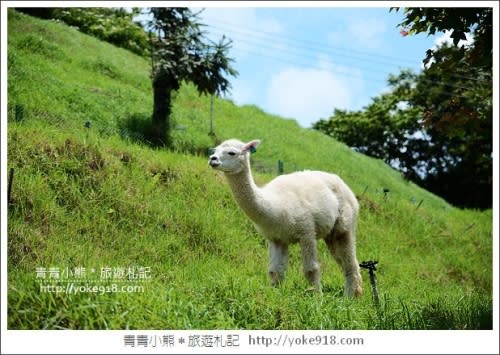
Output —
<point x="278" y="260"/>
<point x="343" y="249"/>
<point x="310" y="263"/>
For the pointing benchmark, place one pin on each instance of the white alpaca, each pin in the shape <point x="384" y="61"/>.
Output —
<point x="301" y="207"/>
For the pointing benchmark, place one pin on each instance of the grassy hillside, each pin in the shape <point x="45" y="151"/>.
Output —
<point x="93" y="206"/>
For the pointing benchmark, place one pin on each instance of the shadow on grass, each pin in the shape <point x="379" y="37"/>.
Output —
<point x="138" y="128"/>
<point x="475" y="313"/>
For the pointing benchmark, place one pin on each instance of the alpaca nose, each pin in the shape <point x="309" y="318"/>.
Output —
<point x="214" y="161"/>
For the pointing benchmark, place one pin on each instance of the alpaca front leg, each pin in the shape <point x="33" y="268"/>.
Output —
<point x="310" y="263"/>
<point x="278" y="260"/>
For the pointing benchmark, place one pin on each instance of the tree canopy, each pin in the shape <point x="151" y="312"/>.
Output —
<point x="435" y="126"/>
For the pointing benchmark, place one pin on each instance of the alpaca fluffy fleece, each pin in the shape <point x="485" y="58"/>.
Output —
<point x="301" y="207"/>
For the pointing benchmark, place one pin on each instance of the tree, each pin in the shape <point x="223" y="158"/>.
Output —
<point x="436" y="126"/>
<point x="456" y="97"/>
<point x="460" y="111"/>
<point x="182" y="53"/>
<point x="463" y="70"/>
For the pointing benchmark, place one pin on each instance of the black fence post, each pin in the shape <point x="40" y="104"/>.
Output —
<point x="9" y="186"/>
<point x="280" y="167"/>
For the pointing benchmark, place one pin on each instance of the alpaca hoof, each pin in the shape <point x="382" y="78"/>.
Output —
<point x="358" y="292"/>
<point x="355" y="293"/>
<point x="276" y="278"/>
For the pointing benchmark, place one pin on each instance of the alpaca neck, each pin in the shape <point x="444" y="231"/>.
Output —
<point x="248" y="195"/>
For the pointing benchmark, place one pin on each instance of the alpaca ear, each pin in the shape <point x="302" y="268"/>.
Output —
<point x="251" y="146"/>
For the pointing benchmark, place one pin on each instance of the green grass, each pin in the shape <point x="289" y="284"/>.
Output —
<point x="97" y="197"/>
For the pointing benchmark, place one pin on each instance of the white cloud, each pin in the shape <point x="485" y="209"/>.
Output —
<point x="362" y="32"/>
<point x="445" y="38"/>
<point x="308" y="94"/>
<point x="367" y="32"/>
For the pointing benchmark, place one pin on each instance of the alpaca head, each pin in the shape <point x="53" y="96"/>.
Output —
<point x="232" y="156"/>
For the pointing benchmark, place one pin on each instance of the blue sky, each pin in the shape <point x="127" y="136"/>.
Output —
<point x="301" y="63"/>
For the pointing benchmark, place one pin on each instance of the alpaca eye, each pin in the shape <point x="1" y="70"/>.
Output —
<point x="231" y="153"/>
